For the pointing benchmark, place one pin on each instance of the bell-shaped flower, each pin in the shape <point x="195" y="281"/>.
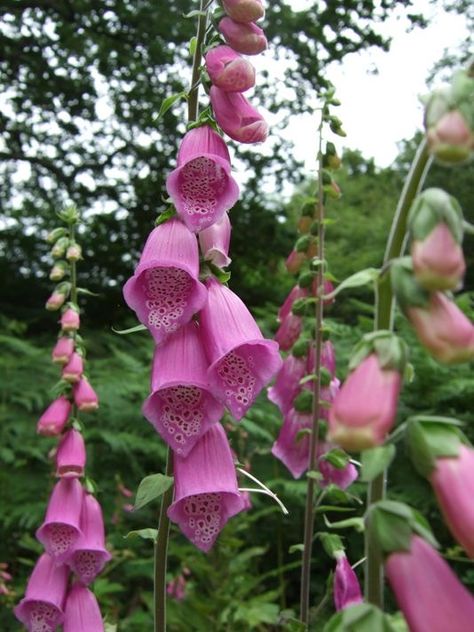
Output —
<point x="181" y="406"/>
<point x="205" y="489"/>
<point x="248" y="39"/>
<point x="296" y="293"/>
<point x="292" y="445"/>
<point x="71" y="455"/>
<point x="202" y="187"/>
<point x="328" y="358"/>
<point x="428" y="593"/>
<point x="289" y="331"/>
<point x="61" y="527"/>
<point x="82" y="612"/>
<point x="165" y="291"/>
<point x="228" y="70"/>
<point x="241" y="361"/>
<point x="365" y="407"/>
<point x="347" y="590"/>
<point x="41" y="609"/>
<point x="215" y="241"/>
<point x="237" y="117"/>
<point x="74" y="369"/>
<point x="438" y="260"/>
<point x="443" y="329"/>
<point x="85" y="397"/>
<point x="332" y="475"/>
<point x="70" y="320"/>
<point x="54" y="418"/>
<point x="244" y="10"/>
<point x="63" y="350"/>
<point x="90" y="555"/>
<point x="287" y="383"/>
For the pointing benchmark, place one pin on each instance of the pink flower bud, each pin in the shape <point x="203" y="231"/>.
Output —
<point x="451" y="140"/>
<point x="346" y="585"/>
<point x="85" y="397"/>
<point x="343" y="477"/>
<point x="438" y="260"/>
<point x="215" y="241"/>
<point x="244" y="10"/>
<point x="248" y="39"/>
<point x="74" y="368"/>
<point x="453" y="483"/>
<point x="294" y="261"/>
<point x="228" y="70"/>
<point x="82" y="612"/>
<point x="73" y="252"/>
<point x="365" y="407"/>
<point x="289" y="331"/>
<point x="54" y="418"/>
<point x="55" y="301"/>
<point x="443" y="329"/>
<point x="71" y="455"/>
<point x="70" y="320"/>
<point x="63" y="350"/>
<point x="237" y="117"/>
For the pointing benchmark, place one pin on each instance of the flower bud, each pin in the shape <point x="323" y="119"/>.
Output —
<point x="63" y="350"/>
<point x="54" y="418"/>
<point x="432" y="207"/>
<point x="74" y="252"/>
<point x="60" y="247"/>
<point x="346" y="585"/>
<point x="71" y="455"/>
<point x="244" y="10"/>
<point x="58" y="271"/>
<point x="237" y="117"/>
<point x="55" y="234"/>
<point x="294" y="261"/>
<point x="74" y="368"/>
<point x="55" y="301"/>
<point x="248" y="39"/>
<point x="85" y="397"/>
<point x="438" y="260"/>
<point x="70" y="320"/>
<point x="228" y="70"/>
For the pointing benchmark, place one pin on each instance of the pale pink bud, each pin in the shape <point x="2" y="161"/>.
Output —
<point x="70" y="320"/>
<point x="438" y="260"/>
<point x="289" y="331"/>
<point x="85" y="397"/>
<point x="54" y="418"/>
<point x="71" y="455"/>
<point x="55" y="301"/>
<point x="244" y="10"/>
<point x="228" y="70"/>
<point x="294" y="261"/>
<point x="451" y="139"/>
<point x="74" y="368"/>
<point x="248" y="39"/>
<point x="443" y="329"/>
<point x="74" y="252"/>
<point x="58" y="271"/>
<point x="346" y="585"/>
<point x="63" y="350"/>
<point x="237" y="117"/>
<point x="364" y="409"/>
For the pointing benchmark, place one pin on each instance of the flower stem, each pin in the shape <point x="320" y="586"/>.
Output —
<point x="193" y="96"/>
<point x="374" y="577"/>
<point x="312" y="465"/>
<point x="161" y="552"/>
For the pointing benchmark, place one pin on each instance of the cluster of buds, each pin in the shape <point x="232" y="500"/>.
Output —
<point x="210" y="353"/>
<point x="72" y="532"/>
<point x="436" y="265"/>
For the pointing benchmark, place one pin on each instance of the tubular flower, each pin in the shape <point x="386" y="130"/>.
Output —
<point x="85" y="397"/>
<point x="82" y="613"/>
<point x="289" y="331"/>
<point x="73" y="370"/>
<point x="296" y="293"/>
<point x="70" y="320"/>
<point x="180" y="406"/>
<point x="215" y="241"/>
<point x="244" y="10"/>
<point x="71" y="455"/>
<point x="248" y="39"/>
<point x="205" y="489"/>
<point x="165" y="291"/>
<point x="202" y="187"/>
<point x="41" y="609"/>
<point x="346" y="585"/>
<point x="241" y="361"/>
<point x="60" y="529"/>
<point x="228" y="70"/>
<point x="343" y="477"/>
<point x="292" y="445"/>
<point x="287" y="384"/>
<point x="63" y="350"/>
<point x="54" y="418"/>
<point x="237" y="117"/>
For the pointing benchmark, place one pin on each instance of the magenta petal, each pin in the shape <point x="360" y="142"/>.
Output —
<point x="342" y="477"/>
<point x="289" y="331"/>
<point x="181" y="407"/>
<point x="82" y="613"/>
<point x="165" y="291"/>
<point x="287" y="384"/>
<point x="54" y="418"/>
<point x="61" y="527"/>
<point x="71" y="455"/>
<point x="205" y="489"/>
<point x="241" y="361"/>
<point x="346" y="585"/>
<point x="42" y="606"/>
<point x="328" y="358"/>
<point x="237" y="117"/>
<point x="248" y="39"/>
<point x="291" y="449"/>
<point x="215" y="241"/>
<point x="228" y="70"/>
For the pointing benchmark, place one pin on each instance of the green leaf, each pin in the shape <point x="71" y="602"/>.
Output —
<point x="131" y="330"/>
<point x="168" y="103"/>
<point x="375" y="461"/>
<point x="295" y="548"/>
<point x="363" y="277"/>
<point x="331" y="542"/>
<point x="145" y="534"/>
<point x="152" y="487"/>
<point x="83" y="290"/>
<point x="356" y="523"/>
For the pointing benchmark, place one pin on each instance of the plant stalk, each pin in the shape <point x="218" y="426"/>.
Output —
<point x="193" y="96"/>
<point x="161" y="552"/>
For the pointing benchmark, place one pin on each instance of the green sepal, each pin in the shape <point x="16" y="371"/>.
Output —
<point x="165" y="216"/>
<point x="429" y="438"/>
<point x="303" y="402"/>
<point x="55" y="234"/>
<point x="407" y="290"/>
<point x="63" y="288"/>
<point x="300" y="348"/>
<point x="302" y="244"/>
<point x="70" y="214"/>
<point x="432" y="207"/>
<point x="362" y="617"/>
<point x="306" y="278"/>
<point x="375" y="461"/>
<point x="391" y="350"/>
<point x="337" y="458"/>
<point x="60" y="247"/>
<point x="145" y="534"/>
<point x="332" y="543"/>
<point x="326" y="376"/>
<point x="303" y="306"/>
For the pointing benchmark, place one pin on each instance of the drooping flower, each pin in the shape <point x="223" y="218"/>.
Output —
<point x="61" y="527"/>
<point x="244" y="10"/>
<point x="241" y="361"/>
<point x="343" y="477"/>
<point x="237" y="117"/>
<point x="63" y="350"/>
<point x="346" y="585"/>
<point x="205" y="489"/>
<point x="215" y="241"/>
<point x="202" y="187"/>
<point x="73" y="370"/>
<point x="289" y="331"/>
<point x="292" y="444"/>
<point x="90" y="555"/>
<point x="438" y="260"/>
<point x="287" y="384"/>
<point x="41" y="609"/>
<point x="328" y="358"/>
<point x="228" y="70"/>
<point x="294" y="261"/>
<point x="176" y="588"/>
<point x="85" y="397"/>
<point x="248" y="39"/>
<point x="71" y="455"/>
<point x="165" y="291"/>
<point x="58" y="271"/>
<point x="82" y="612"/>
<point x="70" y="320"/>
<point x="296" y="293"/>
<point x="181" y="406"/>
<point x="54" y="418"/>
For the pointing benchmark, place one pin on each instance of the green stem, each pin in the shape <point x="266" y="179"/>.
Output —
<point x="193" y="96"/>
<point x="161" y="552"/>
<point x="374" y="577"/>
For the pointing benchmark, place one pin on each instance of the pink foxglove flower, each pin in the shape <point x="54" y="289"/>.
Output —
<point x="438" y="260"/>
<point x="287" y="384"/>
<point x="364" y="410"/>
<point x="73" y="370"/>
<point x="82" y="612"/>
<point x="181" y="406"/>
<point x="70" y="320"/>
<point x="202" y="187"/>
<point x="328" y="359"/>
<point x="63" y="350"/>
<point x="228" y="70"/>
<point x="74" y="252"/>
<point x="90" y="555"/>
<point x="346" y="585"/>
<point x="292" y="445"/>
<point x="343" y="477"/>
<point x="61" y="527"/>
<point x="55" y="301"/>
<point x="41" y="609"/>
<point x="241" y="361"/>
<point x="296" y="293"/>
<point x="294" y="261"/>
<point x="54" y="418"/>
<point x="215" y="241"/>
<point x="85" y="397"/>
<point x="289" y="331"/>
<point x="248" y="39"/>
<point x="237" y="117"/>
<point x="453" y="483"/>
<point x="205" y="489"/>
<point x="244" y="10"/>
<point x="165" y="291"/>
<point x="176" y="588"/>
<point x="428" y="592"/>
<point x="71" y="455"/>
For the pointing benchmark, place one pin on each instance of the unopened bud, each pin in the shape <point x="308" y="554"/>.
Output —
<point x="58" y="271"/>
<point x="303" y="403"/>
<point x="60" y="247"/>
<point x="55" y="234"/>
